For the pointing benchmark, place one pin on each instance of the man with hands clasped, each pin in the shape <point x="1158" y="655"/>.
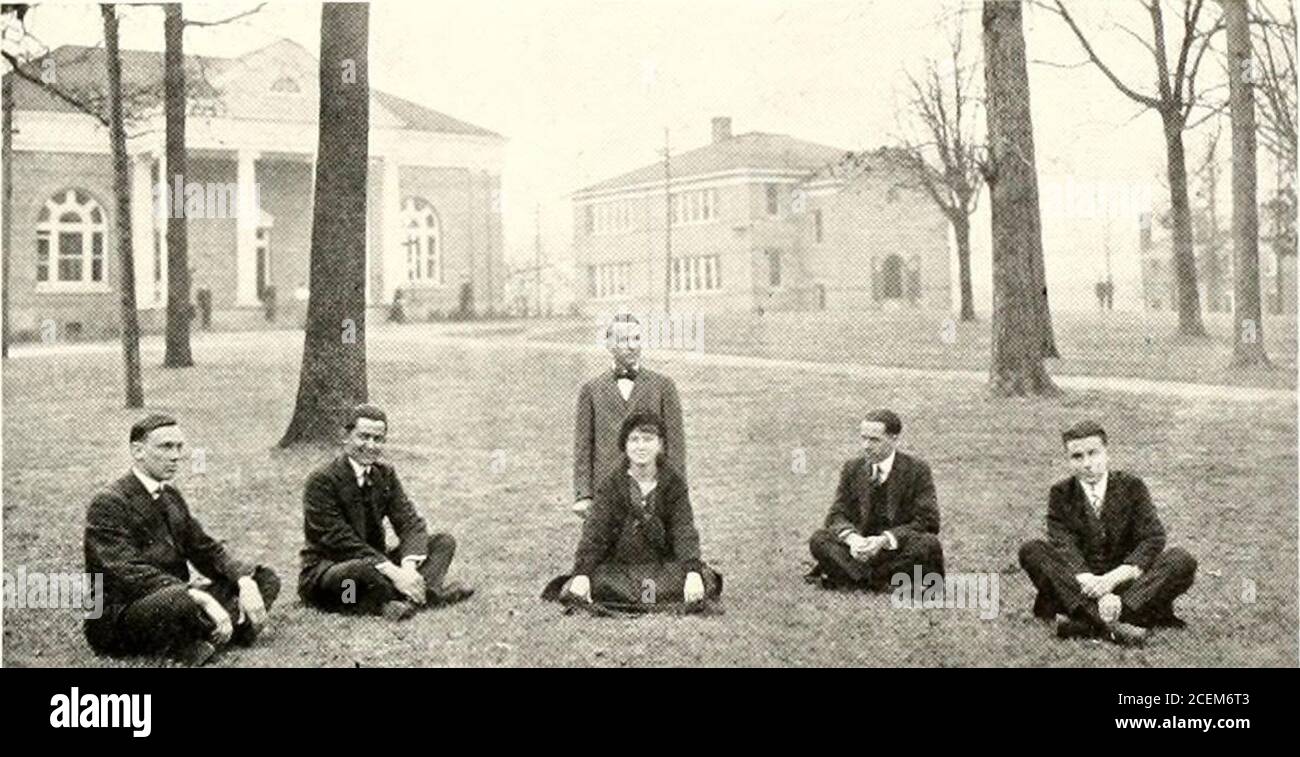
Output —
<point x="1103" y="570"/>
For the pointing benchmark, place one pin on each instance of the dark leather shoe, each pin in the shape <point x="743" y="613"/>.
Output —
<point x="451" y="593"/>
<point x="1074" y="628"/>
<point x="195" y="653"/>
<point x="1126" y="634"/>
<point x="245" y="634"/>
<point x="397" y="609"/>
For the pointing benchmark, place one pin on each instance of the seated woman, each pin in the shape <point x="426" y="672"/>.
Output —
<point x="639" y="549"/>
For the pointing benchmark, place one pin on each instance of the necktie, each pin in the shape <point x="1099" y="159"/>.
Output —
<point x="1094" y="500"/>
<point x="875" y="474"/>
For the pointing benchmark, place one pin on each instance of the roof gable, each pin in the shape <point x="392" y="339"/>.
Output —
<point x="278" y="82"/>
<point x="753" y="151"/>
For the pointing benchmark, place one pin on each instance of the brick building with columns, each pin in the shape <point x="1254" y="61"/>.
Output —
<point x="433" y="209"/>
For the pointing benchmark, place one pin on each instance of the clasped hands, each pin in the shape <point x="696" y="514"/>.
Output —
<point x="250" y="603"/>
<point x="1102" y="589"/>
<point x="863" y="548"/>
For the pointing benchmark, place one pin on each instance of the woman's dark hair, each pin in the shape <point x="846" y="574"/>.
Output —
<point x="643" y="421"/>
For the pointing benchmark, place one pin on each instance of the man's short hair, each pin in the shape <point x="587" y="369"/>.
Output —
<point x="893" y="424"/>
<point x="620" y="318"/>
<point x="1083" y="430"/>
<point x="141" y="428"/>
<point x="367" y="411"/>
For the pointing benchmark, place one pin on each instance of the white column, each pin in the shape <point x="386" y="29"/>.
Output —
<point x="394" y="255"/>
<point x="246" y="220"/>
<point x="142" y="221"/>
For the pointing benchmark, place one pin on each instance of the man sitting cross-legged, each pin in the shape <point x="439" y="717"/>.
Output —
<point x="345" y="566"/>
<point x="1104" y="570"/>
<point x="885" y="518"/>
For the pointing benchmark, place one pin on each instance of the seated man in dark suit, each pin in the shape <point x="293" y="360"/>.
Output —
<point x="140" y="535"/>
<point x="885" y="516"/>
<point x="1104" y="568"/>
<point x="345" y="565"/>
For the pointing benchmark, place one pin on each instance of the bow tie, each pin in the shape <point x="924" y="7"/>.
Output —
<point x="156" y="494"/>
<point x="629" y="373"/>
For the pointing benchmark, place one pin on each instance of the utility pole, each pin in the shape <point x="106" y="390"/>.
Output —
<point x="668" y="224"/>
<point x="537" y="256"/>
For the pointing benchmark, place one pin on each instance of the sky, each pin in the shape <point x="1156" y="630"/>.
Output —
<point x="584" y="89"/>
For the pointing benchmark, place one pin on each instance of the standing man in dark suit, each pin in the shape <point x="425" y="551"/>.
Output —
<point x="345" y="565"/>
<point x="1104" y="568"/>
<point x="885" y="518"/>
<point x="606" y="400"/>
<point x="139" y="535"/>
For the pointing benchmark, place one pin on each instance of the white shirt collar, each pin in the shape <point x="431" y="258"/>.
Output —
<point x="885" y="466"/>
<point x="151" y="484"/>
<point x="1098" y="489"/>
<point x="358" y="470"/>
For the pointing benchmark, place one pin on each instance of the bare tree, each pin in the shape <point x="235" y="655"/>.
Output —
<point x="7" y="193"/>
<point x="946" y="163"/>
<point x="1274" y="77"/>
<point x="333" y="376"/>
<point x="1016" y="367"/>
<point x="1174" y="100"/>
<point x="122" y="190"/>
<point x="1248" y="322"/>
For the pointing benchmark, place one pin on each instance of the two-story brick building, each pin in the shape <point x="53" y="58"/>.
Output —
<point x="762" y="222"/>
<point x="433" y="226"/>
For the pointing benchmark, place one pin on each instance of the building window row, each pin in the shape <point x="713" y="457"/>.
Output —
<point x="609" y="217"/>
<point x="697" y="274"/>
<point x="608" y="280"/>
<point x="695" y="206"/>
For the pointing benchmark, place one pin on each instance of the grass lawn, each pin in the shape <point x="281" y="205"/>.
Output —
<point x="481" y="434"/>
<point x="1139" y="345"/>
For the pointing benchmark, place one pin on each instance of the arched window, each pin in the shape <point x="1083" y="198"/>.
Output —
<point x="891" y="278"/>
<point x="423" y="231"/>
<point x="285" y="84"/>
<point x="71" y="233"/>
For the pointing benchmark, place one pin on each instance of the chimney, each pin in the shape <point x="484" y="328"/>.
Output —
<point x="721" y="128"/>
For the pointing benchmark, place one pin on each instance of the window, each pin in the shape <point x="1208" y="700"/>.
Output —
<point x="695" y="206"/>
<point x="589" y="214"/>
<point x="423" y="243"/>
<point x="774" y="268"/>
<point x="608" y="280"/>
<point x="610" y="217"/>
<point x="699" y="274"/>
<point x="773" y="200"/>
<point x="817" y="224"/>
<point x="888" y="283"/>
<point x="285" y="84"/>
<point x="70" y="242"/>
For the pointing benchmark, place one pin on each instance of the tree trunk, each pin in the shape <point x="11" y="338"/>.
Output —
<point x="961" y="228"/>
<point x="7" y="193"/>
<point x="122" y="192"/>
<point x="1189" y="299"/>
<point x="333" y="376"/>
<point x="1248" y="321"/>
<point x="1018" y="305"/>
<point x="177" y="353"/>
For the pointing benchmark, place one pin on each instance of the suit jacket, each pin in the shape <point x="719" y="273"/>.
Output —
<point x="1127" y="532"/>
<point x="141" y="545"/>
<point x="340" y="524"/>
<point x="601" y="411"/>
<point x="618" y="530"/>
<point x="910" y="505"/>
